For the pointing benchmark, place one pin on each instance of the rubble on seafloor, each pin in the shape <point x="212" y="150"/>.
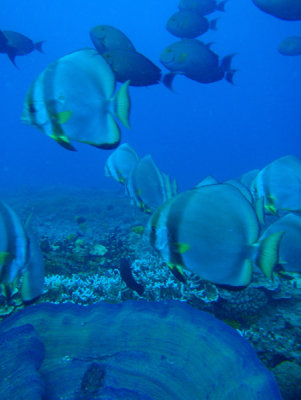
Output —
<point x="82" y="248"/>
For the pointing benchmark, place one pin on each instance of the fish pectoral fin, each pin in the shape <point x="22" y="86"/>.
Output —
<point x="122" y="104"/>
<point x="268" y="255"/>
<point x="62" y="117"/>
<point x="182" y="57"/>
<point x="182" y="248"/>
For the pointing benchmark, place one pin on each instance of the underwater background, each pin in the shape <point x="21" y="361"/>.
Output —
<point x="87" y="226"/>
<point x="216" y="129"/>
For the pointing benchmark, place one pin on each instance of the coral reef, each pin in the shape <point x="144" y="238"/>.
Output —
<point x="288" y="375"/>
<point x="82" y="267"/>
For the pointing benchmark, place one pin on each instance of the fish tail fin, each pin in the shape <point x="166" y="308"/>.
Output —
<point x="38" y="46"/>
<point x="226" y="67"/>
<point x="32" y="281"/>
<point x="226" y="62"/>
<point x="221" y="6"/>
<point x="122" y="104"/>
<point x="229" y="76"/>
<point x="268" y="255"/>
<point x="31" y="288"/>
<point x="113" y="138"/>
<point x="259" y="209"/>
<point x="212" y="24"/>
<point x="168" y="80"/>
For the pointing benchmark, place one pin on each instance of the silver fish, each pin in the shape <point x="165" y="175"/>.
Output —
<point x="73" y="100"/>
<point x="214" y="232"/>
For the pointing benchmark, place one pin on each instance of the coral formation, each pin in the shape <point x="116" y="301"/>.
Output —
<point x="82" y="267"/>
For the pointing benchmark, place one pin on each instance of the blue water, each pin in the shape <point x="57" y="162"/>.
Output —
<point x="216" y="129"/>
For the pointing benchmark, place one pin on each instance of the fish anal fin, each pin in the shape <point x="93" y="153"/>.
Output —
<point x="177" y="271"/>
<point x="63" y="141"/>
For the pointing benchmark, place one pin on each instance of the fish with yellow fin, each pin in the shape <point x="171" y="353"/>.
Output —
<point x="290" y="248"/>
<point x="279" y="184"/>
<point x="213" y="231"/>
<point x="148" y="187"/>
<point x="195" y="60"/>
<point x="73" y="100"/>
<point x="121" y="162"/>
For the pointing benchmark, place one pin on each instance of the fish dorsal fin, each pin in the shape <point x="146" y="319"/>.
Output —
<point x="268" y="255"/>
